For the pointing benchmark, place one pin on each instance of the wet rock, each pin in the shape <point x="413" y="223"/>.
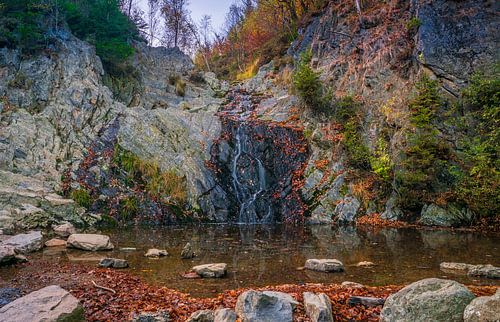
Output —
<point x="348" y="284"/>
<point x="160" y="316"/>
<point x="7" y="254"/>
<point x="225" y="315"/>
<point x="187" y="252"/>
<point x="153" y="252"/>
<point x="211" y="270"/>
<point x="346" y="210"/>
<point x="55" y="242"/>
<point x="487" y="271"/>
<point x="324" y="265"/>
<point x="365" y="264"/>
<point x="366" y="300"/>
<point x="483" y="309"/>
<point x="9" y="294"/>
<point x="51" y="303"/>
<point x="433" y="215"/>
<point x="64" y="230"/>
<point x="26" y="243"/>
<point x="430" y="299"/>
<point x="459" y="267"/>
<point x="113" y="263"/>
<point x="90" y="242"/>
<point x="318" y="307"/>
<point x="254" y="306"/>
<point x="202" y="316"/>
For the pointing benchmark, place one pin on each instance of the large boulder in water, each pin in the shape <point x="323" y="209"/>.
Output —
<point x="211" y="270"/>
<point x="254" y="306"/>
<point x="431" y="299"/>
<point x="51" y="303"/>
<point x="325" y="265"/>
<point x="91" y="242"/>
<point x="483" y="309"/>
<point x="26" y="243"/>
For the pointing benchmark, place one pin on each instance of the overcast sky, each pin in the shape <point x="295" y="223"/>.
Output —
<point x="217" y="9"/>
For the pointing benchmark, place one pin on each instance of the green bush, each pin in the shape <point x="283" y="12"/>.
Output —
<point x="307" y="83"/>
<point x="381" y="162"/>
<point x="82" y="197"/>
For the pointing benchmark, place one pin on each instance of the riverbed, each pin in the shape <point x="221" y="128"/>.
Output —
<point x="260" y="255"/>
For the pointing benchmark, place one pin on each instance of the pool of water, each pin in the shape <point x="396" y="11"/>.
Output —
<point x="270" y="255"/>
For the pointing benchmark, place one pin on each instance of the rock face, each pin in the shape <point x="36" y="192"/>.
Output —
<point x="430" y="299"/>
<point x="325" y="265"/>
<point x="347" y="210"/>
<point x="318" y="307"/>
<point x="433" y="215"/>
<point x="25" y="243"/>
<point x="91" y="242"/>
<point x="253" y="306"/>
<point x="51" y="303"/>
<point x="225" y="315"/>
<point x="153" y="252"/>
<point x="211" y="270"/>
<point x="483" y="309"/>
<point x="113" y="263"/>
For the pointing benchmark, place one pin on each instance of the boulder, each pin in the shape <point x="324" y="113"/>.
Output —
<point x="458" y="267"/>
<point x="318" y="307"/>
<point x="7" y="254"/>
<point x="90" y="242"/>
<point x="488" y="271"/>
<point x="225" y="315"/>
<point x="202" y="316"/>
<point x="433" y="215"/>
<point x="64" y="230"/>
<point x="113" y="263"/>
<point x="211" y="270"/>
<point x="254" y="306"/>
<point x="9" y="294"/>
<point x="55" y="242"/>
<point x="153" y="252"/>
<point x="26" y="243"/>
<point x="430" y="299"/>
<point x="483" y="309"/>
<point x="283" y="297"/>
<point x="325" y="265"/>
<point x="160" y="316"/>
<point x="51" y="303"/>
<point x="187" y="252"/>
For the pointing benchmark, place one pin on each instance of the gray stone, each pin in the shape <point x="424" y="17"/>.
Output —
<point x="487" y="271"/>
<point x="202" y="316"/>
<point x="51" y="303"/>
<point x="483" y="309"/>
<point x="90" y="242"/>
<point x="225" y="315"/>
<point x="26" y="243"/>
<point x="254" y="306"/>
<point x="430" y="299"/>
<point x="346" y="210"/>
<point x="459" y="267"/>
<point x="324" y="265"/>
<point x="283" y="297"/>
<point x="7" y="254"/>
<point x="113" y="263"/>
<point x="187" y="252"/>
<point x="215" y="270"/>
<point x="153" y="252"/>
<point x="64" y="230"/>
<point x="452" y="216"/>
<point x="160" y="316"/>
<point x="318" y="307"/>
<point x="9" y="294"/>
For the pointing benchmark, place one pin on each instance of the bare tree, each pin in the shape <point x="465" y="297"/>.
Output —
<point x="153" y="20"/>
<point x="178" y="31"/>
<point x="202" y="37"/>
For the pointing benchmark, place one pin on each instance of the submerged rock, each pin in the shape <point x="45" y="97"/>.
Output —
<point x="51" y="303"/>
<point x="211" y="270"/>
<point x="153" y="252"/>
<point x="26" y="243"/>
<point x="318" y="307"/>
<point x="365" y="264"/>
<point x="254" y="306"/>
<point x="430" y="299"/>
<point x="187" y="252"/>
<point x="113" y="263"/>
<point x="483" y="309"/>
<point x="90" y="242"/>
<point x="202" y="316"/>
<point x="325" y="265"/>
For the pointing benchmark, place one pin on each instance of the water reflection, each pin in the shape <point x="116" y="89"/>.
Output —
<point x="263" y="255"/>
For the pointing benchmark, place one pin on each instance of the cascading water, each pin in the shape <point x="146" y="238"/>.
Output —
<point x="256" y="162"/>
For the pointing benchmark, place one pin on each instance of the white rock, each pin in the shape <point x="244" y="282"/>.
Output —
<point x="153" y="252"/>
<point x="64" y="230"/>
<point x="91" y="242"/>
<point x="483" y="309"/>
<point x="215" y="270"/>
<point x="318" y="307"/>
<point x="26" y="243"/>
<point x="325" y="265"/>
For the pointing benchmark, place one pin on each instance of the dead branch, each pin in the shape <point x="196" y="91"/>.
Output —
<point x="104" y="288"/>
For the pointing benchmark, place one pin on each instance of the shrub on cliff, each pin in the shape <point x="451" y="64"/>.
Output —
<point x="307" y="83"/>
